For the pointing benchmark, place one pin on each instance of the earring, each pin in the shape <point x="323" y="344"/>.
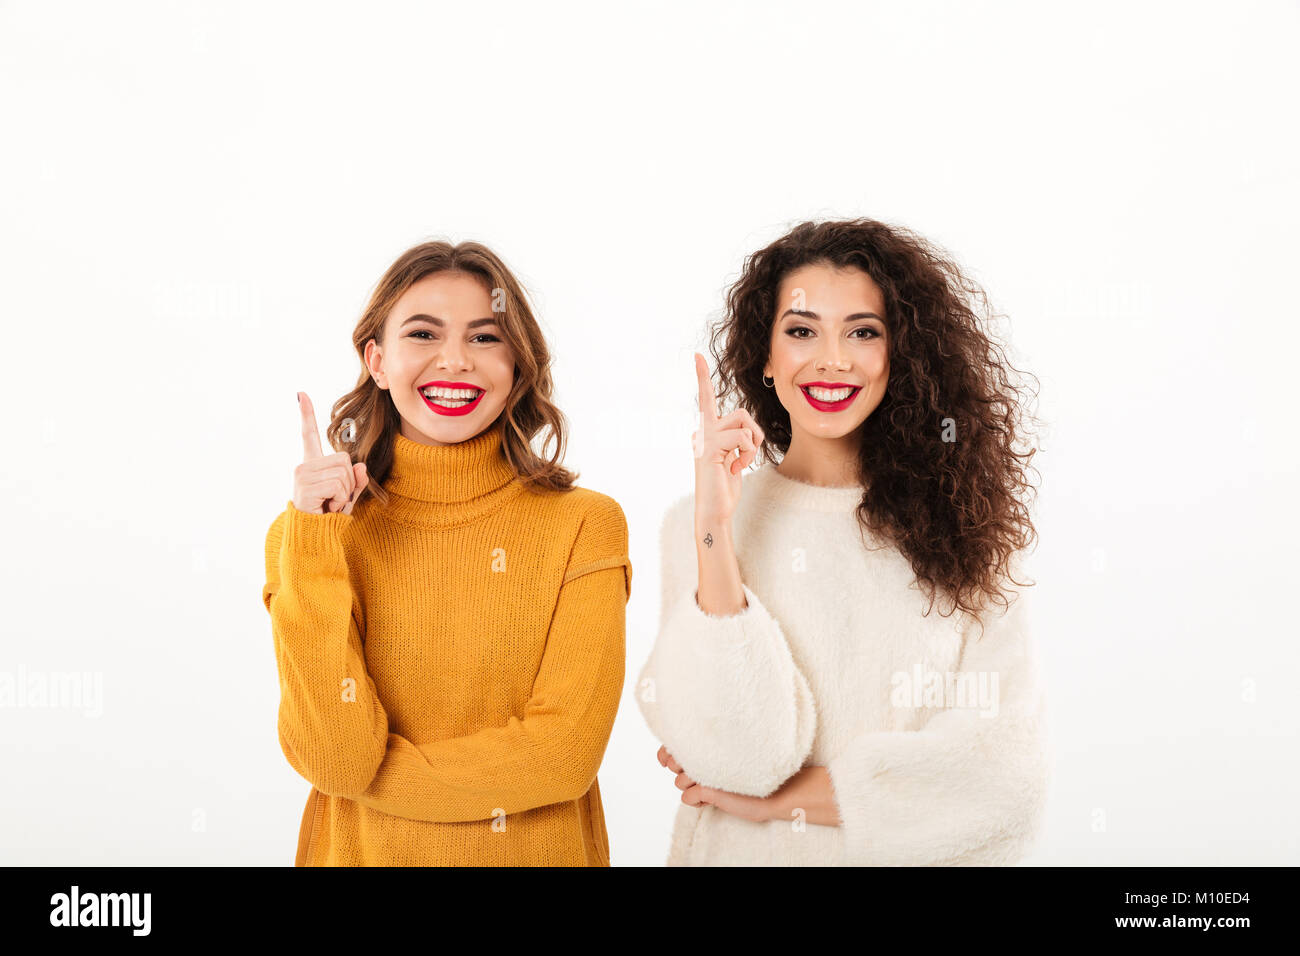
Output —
<point x="771" y="384"/>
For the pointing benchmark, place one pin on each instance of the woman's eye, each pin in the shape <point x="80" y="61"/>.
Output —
<point x="481" y="335"/>
<point x="803" y="328"/>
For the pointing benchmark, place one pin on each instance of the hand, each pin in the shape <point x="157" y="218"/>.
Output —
<point x="324" y="483"/>
<point x="717" y="474"/>
<point x="754" y="809"/>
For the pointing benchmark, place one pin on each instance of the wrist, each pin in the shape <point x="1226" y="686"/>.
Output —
<point x="711" y="525"/>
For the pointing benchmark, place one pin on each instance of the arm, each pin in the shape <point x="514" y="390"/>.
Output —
<point x="332" y="726"/>
<point x="723" y="694"/>
<point x="552" y="752"/>
<point x="970" y="785"/>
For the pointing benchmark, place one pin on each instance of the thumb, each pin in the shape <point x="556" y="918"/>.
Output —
<point x="360" y="480"/>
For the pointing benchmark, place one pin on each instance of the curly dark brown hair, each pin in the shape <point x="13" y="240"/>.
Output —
<point x="955" y="509"/>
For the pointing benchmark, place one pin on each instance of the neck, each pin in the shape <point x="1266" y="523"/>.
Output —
<point x="827" y="462"/>
<point x="462" y="471"/>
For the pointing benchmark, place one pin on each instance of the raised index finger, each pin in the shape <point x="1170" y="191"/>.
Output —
<point x="310" y="435"/>
<point x="708" y="403"/>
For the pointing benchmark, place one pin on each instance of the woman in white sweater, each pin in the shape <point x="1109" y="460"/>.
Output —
<point x="813" y="705"/>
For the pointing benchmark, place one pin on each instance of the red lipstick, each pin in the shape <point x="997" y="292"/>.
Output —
<point x="459" y="410"/>
<point x="830" y="406"/>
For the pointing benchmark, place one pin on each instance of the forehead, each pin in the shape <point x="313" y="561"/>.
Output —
<point x="446" y="294"/>
<point x="834" y="292"/>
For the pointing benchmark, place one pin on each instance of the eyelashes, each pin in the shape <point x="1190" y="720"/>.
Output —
<point x="803" y="328"/>
<point x="481" y="335"/>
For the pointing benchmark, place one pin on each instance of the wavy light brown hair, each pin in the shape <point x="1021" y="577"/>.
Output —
<point x="954" y="509"/>
<point x="364" y="422"/>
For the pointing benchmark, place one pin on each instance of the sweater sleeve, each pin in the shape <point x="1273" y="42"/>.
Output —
<point x="723" y="694"/>
<point x="969" y="787"/>
<point x="332" y="726"/>
<point x="549" y="754"/>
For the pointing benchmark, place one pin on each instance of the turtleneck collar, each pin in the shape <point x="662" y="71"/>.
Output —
<point x="789" y="492"/>
<point x="449" y="473"/>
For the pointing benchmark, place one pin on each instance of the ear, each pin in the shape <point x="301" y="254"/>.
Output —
<point x="374" y="356"/>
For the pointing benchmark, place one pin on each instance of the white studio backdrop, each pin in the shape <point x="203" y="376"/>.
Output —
<point x="198" y="198"/>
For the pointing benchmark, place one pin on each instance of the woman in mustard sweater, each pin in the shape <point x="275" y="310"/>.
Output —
<point x="447" y="607"/>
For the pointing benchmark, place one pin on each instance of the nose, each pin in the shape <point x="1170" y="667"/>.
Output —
<point x="452" y="354"/>
<point x="831" y="357"/>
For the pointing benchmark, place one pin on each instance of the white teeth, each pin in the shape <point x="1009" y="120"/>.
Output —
<point x="438" y="392"/>
<point x="829" y="394"/>
<point x="450" y="397"/>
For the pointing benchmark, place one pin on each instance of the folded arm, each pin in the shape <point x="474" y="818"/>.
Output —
<point x="723" y="694"/>
<point x="332" y="726"/>
<point x="551" y="753"/>
<point x="969" y="787"/>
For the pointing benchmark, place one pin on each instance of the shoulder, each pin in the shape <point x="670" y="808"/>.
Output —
<point x="1008" y="613"/>
<point x="597" y="519"/>
<point x="594" y="507"/>
<point x="601" y="538"/>
<point x="275" y="533"/>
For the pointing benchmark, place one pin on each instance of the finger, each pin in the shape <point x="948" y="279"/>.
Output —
<point x="683" y="782"/>
<point x="660" y="756"/>
<point x="310" y="435"/>
<point x="741" y="418"/>
<point x="723" y="443"/>
<point x="334" y="501"/>
<point x="693" y="797"/>
<point x="671" y="763"/>
<point x="707" y="401"/>
<point x="336" y="466"/>
<point x="332" y="489"/>
<point x="345" y="484"/>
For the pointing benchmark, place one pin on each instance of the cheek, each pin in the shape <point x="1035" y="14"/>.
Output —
<point x="402" y="361"/>
<point x="503" y="372"/>
<point x="783" y="356"/>
<point x="878" y="361"/>
<point x="500" y="375"/>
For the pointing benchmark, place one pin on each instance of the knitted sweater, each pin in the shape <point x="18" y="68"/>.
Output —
<point x="450" y="664"/>
<point x="833" y="664"/>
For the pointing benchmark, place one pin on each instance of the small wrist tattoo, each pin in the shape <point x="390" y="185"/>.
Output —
<point x="708" y="540"/>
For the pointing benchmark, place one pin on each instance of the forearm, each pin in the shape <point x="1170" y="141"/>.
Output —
<point x="331" y="723"/>
<point x="967" y="787"/>
<point x="548" y="754"/>
<point x="725" y="696"/>
<point x="807" y="796"/>
<point x="719" y="591"/>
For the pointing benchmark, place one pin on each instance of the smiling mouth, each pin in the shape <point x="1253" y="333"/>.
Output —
<point x="451" y="397"/>
<point x="831" y="396"/>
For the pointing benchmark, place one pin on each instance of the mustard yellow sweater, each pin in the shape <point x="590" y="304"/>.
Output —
<point x="451" y="664"/>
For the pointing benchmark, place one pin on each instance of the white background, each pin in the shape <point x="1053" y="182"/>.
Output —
<point x="198" y="199"/>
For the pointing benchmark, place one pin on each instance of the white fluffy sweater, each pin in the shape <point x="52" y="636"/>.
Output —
<point x="934" y="737"/>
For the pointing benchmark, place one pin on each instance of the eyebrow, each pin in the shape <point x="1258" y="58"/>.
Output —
<point x="817" y="318"/>
<point x="439" y="322"/>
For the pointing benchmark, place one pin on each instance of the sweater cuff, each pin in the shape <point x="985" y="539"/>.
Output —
<point x="853" y="779"/>
<point x="740" y="627"/>
<point x="313" y="544"/>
